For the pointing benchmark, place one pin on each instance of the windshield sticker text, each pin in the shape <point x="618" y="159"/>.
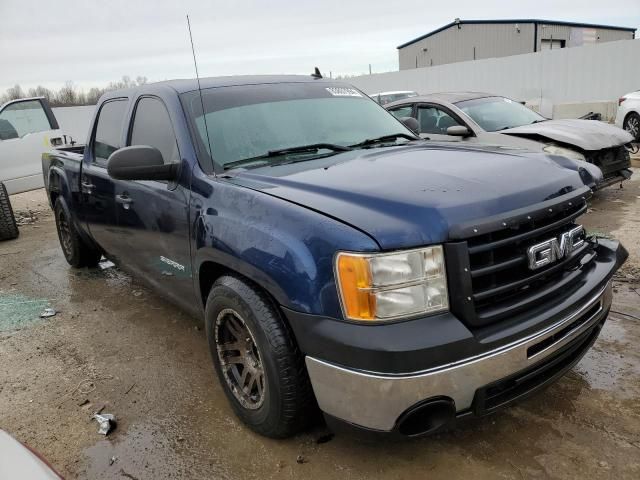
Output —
<point x="343" y="92"/>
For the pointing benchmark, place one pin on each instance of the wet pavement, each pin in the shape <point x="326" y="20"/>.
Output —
<point x="114" y="344"/>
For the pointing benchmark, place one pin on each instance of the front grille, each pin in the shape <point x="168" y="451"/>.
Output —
<point x="496" y="280"/>
<point x="610" y="160"/>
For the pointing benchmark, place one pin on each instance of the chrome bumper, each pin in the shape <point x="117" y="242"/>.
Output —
<point x="376" y="400"/>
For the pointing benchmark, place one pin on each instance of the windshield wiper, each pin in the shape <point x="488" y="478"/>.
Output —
<point x="511" y="126"/>
<point x="312" y="148"/>
<point x="383" y="139"/>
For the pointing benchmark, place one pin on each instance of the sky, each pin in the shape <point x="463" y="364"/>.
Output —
<point x="91" y="43"/>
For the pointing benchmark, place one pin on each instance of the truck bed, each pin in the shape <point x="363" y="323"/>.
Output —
<point x="67" y="159"/>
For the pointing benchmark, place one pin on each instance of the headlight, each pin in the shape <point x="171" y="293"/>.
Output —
<point x="386" y="286"/>
<point x="564" y="152"/>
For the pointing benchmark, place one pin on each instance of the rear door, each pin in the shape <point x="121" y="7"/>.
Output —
<point x="98" y="190"/>
<point x="26" y="130"/>
<point x="153" y="216"/>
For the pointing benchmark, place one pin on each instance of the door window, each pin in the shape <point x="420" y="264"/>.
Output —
<point x="401" y="112"/>
<point x="108" y="137"/>
<point x="21" y="118"/>
<point x="152" y="127"/>
<point x="434" y="120"/>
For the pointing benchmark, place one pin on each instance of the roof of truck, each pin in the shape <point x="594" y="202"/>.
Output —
<point x="187" y="85"/>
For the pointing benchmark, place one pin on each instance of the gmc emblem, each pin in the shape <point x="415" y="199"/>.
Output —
<point x="549" y="251"/>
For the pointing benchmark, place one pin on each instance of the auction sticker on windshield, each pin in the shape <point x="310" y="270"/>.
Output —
<point x="343" y="92"/>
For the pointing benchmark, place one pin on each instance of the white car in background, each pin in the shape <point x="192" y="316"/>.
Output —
<point x="387" y="97"/>
<point x="28" y="127"/>
<point x="628" y="116"/>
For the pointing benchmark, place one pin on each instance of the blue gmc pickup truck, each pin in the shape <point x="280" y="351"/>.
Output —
<point x="338" y="260"/>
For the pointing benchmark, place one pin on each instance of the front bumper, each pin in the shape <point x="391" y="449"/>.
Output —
<point x="377" y="401"/>
<point x="473" y="384"/>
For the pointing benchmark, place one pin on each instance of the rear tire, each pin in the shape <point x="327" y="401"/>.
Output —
<point x="632" y="125"/>
<point x="8" y="227"/>
<point x="257" y="360"/>
<point x="76" y="250"/>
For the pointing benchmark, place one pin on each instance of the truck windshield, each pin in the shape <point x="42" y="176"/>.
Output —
<point x="499" y="113"/>
<point x="250" y="121"/>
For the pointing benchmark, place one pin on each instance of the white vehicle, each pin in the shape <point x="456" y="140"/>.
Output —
<point x="387" y="97"/>
<point x="27" y="128"/>
<point x="628" y="116"/>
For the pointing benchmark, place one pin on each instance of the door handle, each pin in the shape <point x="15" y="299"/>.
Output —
<point x="87" y="187"/>
<point x="124" y="200"/>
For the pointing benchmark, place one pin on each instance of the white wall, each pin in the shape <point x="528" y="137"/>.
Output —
<point x="75" y="121"/>
<point x="593" y="73"/>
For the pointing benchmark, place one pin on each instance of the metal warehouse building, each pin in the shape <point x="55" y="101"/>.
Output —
<point x="463" y="40"/>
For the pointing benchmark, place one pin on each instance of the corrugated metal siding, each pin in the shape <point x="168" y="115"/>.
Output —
<point x="496" y="40"/>
<point x="457" y="44"/>
<point x="598" y="73"/>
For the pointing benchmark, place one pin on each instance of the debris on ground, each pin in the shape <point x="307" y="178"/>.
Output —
<point x="112" y="460"/>
<point x="105" y="264"/>
<point x="137" y="293"/>
<point x="48" y="312"/>
<point x="26" y="217"/>
<point x="301" y="459"/>
<point x="106" y="421"/>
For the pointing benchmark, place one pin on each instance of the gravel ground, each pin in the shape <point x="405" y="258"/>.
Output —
<point x="115" y="344"/>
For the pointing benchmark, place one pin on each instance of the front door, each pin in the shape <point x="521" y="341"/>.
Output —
<point x="153" y="216"/>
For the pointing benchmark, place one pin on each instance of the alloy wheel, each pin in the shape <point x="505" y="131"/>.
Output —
<point x="240" y="359"/>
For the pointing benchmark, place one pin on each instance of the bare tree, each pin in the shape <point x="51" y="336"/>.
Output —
<point x="15" y="92"/>
<point x="67" y="94"/>
<point x="41" y="91"/>
<point x="93" y="95"/>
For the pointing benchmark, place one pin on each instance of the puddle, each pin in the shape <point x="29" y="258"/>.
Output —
<point x="610" y="365"/>
<point x="144" y="451"/>
<point x="18" y="311"/>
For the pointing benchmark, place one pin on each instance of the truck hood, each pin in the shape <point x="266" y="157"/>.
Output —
<point x="584" y="134"/>
<point x="412" y="195"/>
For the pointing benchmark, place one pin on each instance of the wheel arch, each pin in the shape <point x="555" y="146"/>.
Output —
<point x="212" y="266"/>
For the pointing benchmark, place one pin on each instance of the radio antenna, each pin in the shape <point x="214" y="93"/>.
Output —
<point x="204" y="116"/>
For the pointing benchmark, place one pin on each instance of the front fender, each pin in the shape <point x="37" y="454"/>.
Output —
<point x="286" y="249"/>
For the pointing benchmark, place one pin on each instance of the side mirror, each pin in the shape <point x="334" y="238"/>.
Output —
<point x="412" y="124"/>
<point x="140" y="162"/>
<point x="458" y="131"/>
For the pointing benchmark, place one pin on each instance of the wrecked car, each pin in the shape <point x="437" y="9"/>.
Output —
<point x="339" y="261"/>
<point x="26" y="125"/>
<point x="496" y="120"/>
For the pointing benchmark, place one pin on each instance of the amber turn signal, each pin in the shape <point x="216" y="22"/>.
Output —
<point x="354" y="279"/>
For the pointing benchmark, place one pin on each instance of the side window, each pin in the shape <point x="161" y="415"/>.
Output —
<point x="152" y="126"/>
<point x="22" y="118"/>
<point x="434" y="120"/>
<point x="401" y="112"/>
<point x="109" y="129"/>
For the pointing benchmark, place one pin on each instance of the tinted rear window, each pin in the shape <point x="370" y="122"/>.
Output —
<point x="109" y="130"/>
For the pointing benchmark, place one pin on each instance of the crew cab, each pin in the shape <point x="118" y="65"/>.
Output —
<point x="337" y="259"/>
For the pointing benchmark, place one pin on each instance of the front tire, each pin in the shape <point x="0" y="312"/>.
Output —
<point x="632" y="125"/>
<point x="257" y="360"/>
<point x="76" y="250"/>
